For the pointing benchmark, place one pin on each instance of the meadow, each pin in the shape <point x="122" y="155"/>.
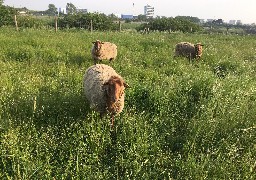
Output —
<point x="182" y="120"/>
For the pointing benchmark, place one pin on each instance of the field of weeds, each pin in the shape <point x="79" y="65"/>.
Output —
<point x="182" y="120"/>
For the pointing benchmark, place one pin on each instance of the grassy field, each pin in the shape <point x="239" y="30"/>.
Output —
<point x="181" y="120"/>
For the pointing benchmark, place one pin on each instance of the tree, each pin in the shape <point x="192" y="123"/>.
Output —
<point x="188" y="18"/>
<point x="142" y="17"/>
<point x="1" y="2"/>
<point x="113" y="17"/>
<point x="218" y="21"/>
<point x="171" y="24"/>
<point x="101" y="21"/>
<point x="52" y="10"/>
<point x="70" y="8"/>
<point x="6" y="15"/>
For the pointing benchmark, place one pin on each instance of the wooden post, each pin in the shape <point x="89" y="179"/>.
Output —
<point x="120" y="26"/>
<point x="16" y="23"/>
<point x="227" y="30"/>
<point x="34" y="104"/>
<point x="170" y="30"/>
<point x="56" y="23"/>
<point x="91" y="26"/>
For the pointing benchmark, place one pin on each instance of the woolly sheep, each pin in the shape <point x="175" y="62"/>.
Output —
<point x="104" y="90"/>
<point x="189" y="50"/>
<point x="103" y="51"/>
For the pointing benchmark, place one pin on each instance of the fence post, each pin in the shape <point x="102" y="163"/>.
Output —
<point x="56" y="23"/>
<point x="16" y="23"/>
<point x="91" y="26"/>
<point x="120" y="26"/>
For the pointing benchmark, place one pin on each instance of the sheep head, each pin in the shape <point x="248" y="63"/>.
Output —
<point x="198" y="50"/>
<point x="97" y="45"/>
<point x="114" y="89"/>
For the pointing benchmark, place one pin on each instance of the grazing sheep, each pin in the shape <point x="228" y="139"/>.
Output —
<point x="189" y="50"/>
<point x="104" y="89"/>
<point x="103" y="51"/>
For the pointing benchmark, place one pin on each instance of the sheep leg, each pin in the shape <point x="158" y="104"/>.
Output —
<point x="110" y="60"/>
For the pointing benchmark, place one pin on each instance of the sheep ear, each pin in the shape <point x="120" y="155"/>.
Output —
<point x="126" y="85"/>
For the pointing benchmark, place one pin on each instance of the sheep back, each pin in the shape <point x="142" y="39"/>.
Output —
<point x="185" y="49"/>
<point x="94" y="79"/>
<point x="107" y="51"/>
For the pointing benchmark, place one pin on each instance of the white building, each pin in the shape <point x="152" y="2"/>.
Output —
<point x="233" y="22"/>
<point x="149" y="11"/>
<point x="84" y="11"/>
<point x="62" y="10"/>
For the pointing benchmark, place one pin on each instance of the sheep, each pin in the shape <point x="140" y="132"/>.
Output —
<point x="104" y="90"/>
<point x="189" y="50"/>
<point x="103" y="51"/>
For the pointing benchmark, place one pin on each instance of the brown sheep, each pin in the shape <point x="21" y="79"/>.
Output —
<point x="103" y="51"/>
<point x="104" y="89"/>
<point x="189" y="50"/>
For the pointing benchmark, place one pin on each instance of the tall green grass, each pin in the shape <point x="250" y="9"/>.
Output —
<point x="181" y="120"/>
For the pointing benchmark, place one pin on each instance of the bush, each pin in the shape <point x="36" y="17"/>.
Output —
<point x="171" y="24"/>
<point x="100" y="21"/>
<point x="7" y="15"/>
<point x="33" y="22"/>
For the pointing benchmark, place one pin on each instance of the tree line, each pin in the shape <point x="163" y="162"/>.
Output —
<point x="103" y="22"/>
<point x="179" y="23"/>
<point x="100" y="21"/>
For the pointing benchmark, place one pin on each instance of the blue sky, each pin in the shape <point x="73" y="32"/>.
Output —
<point x="244" y="10"/>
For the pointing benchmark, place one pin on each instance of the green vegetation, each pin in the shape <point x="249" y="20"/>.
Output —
<point x="172" y="24"/>
<point x="181" y="120"/>
<point x="100" y="21"/>
<point x="6" y="15"/>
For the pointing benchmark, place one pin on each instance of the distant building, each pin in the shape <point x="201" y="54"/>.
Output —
<point x="233" y="22"/>
<point x="23" y="13"/>
<point x="238" y="22"/>
<point x="65" y="11"/>
<point x="149" y="11"/>
<point x="124" y="16"/>
<point x="202" y="21"/>
<point x="62" y="10"/>
<point x="84" y="11"/>
<point x="209" y="20"/>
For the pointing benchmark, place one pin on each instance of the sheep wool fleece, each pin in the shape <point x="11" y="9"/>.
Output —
<point x="94" y="79"/>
